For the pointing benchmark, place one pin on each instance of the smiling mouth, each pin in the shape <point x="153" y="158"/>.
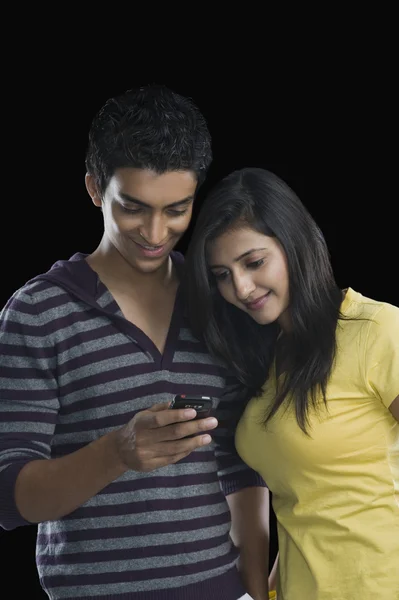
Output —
<point x="151" y="247"/>
<point x="151" y="251"/>
<point x="146" y="247"/>
<point x="258" y="303"/>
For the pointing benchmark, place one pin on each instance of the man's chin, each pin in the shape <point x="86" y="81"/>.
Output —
<point x="149" y="265"/>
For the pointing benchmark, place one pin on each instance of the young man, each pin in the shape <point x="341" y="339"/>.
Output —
<point x="126" y="492"/>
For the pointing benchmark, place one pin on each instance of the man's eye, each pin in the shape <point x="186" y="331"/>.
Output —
<point x="131" y="211"/>
<point x="177" y="213"/>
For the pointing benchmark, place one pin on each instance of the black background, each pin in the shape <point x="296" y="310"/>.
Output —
<point x="328" y="129"/>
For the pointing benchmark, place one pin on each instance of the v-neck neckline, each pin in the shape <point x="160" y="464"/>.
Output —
<point x="163" y="360"/>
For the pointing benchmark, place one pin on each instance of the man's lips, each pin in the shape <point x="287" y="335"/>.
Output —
<point x="151" y="251"/>
<point x="148" y="247"/>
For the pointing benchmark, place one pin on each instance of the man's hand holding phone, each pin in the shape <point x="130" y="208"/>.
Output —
<point x="202" y="405"/>
<point x="159" y="436"/>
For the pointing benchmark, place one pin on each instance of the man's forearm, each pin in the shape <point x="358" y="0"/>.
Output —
<point x="50" y="489"/>
<point x="250" y="533"/>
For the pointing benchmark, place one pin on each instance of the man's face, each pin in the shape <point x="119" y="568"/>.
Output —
<point x="145" y="214"/>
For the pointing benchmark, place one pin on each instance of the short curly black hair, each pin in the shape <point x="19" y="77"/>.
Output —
<point x="150" y="127"/>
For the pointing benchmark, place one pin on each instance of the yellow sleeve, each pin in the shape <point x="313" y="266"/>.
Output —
<point x="381" y="356"/>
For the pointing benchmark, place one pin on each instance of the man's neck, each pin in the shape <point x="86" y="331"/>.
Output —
<point x="114" y="270"/>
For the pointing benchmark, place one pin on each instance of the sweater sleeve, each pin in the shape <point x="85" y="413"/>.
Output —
<point x="234" y="474"/>
<point x="28" y="395"/>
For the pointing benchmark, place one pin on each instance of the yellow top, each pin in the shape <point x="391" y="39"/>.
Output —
<point x="336" y="493"/>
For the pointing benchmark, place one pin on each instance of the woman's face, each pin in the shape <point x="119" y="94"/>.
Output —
<point x="251" y="272"/>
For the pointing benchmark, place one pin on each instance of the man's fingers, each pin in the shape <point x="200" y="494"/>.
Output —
<point x="160" y="415"/>
<point x="172" y="452"/>
<point x="184" y="446"/>
<point x="159" y="407"/>
<point x="161" y="424"/>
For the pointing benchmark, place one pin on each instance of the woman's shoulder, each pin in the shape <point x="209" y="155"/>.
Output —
<point x="357" y="306"/>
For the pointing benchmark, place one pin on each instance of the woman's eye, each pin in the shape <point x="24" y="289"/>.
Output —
<point x="255" y="264"/>
<point x="221" y="276"/>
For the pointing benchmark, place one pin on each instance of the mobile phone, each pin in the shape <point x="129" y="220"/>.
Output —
<point x="202" y="404"/>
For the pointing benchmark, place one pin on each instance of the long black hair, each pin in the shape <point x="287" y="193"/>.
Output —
<point x="257" y="198"/>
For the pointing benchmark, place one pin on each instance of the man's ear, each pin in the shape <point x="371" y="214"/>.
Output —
<point x="92" y="190"/>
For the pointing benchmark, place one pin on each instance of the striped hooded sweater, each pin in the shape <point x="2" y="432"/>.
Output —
<point x="72" y="368"/>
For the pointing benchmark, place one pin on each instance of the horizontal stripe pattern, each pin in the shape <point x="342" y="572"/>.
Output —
<point x="71" y="372"/>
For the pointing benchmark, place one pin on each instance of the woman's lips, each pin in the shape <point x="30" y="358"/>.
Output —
<point x="258" y="303"/>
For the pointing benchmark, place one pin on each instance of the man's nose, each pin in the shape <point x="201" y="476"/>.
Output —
<point x="154" y="230"/>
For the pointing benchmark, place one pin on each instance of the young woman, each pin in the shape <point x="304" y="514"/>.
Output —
<point x="321" y="366"/>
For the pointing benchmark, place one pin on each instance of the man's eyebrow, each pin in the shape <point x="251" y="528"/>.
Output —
<point x="129" y="198"/>
<point x="238" y="258"/>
